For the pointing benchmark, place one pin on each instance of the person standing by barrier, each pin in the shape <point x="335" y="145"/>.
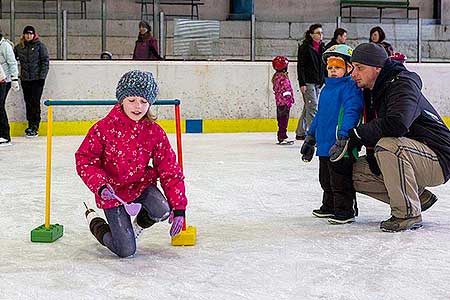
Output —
<point x="146" y="47"/>
<point x="8" y="65"/>
<point x="284" y="97"/>
<point x="339" y="37"/>
<point x="106" y="55"/>
<point x="34" y="64"/>
<point x="411" y="141"/>
<point x="125" y="154"/>
<point x="310" y="71"/>
<point x="378" y="36"/>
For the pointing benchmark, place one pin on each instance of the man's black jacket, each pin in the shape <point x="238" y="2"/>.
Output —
<point x="401" y="110"/>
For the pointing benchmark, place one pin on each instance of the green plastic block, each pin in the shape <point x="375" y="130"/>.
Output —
<point x="43" y="235"/>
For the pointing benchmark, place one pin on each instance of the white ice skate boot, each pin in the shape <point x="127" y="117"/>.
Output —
<point x="97" y="225"/>
<point x="138" y="230"/>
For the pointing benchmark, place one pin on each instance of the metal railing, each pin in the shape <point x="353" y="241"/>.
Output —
<point x="248" y="45"/>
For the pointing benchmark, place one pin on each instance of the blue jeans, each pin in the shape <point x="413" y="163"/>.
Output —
<point x="120" y="239"/>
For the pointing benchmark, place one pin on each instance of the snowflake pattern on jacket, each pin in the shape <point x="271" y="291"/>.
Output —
<point x="281" y="85"/>
<point x="130" y="156"/>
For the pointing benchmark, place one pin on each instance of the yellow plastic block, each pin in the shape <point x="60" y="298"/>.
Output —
<point x="186" y="237"/>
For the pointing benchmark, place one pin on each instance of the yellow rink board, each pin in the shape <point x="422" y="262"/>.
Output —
<point x="209" y="126"/>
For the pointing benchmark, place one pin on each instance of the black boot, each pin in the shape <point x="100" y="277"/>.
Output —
<point x="97" y="225"/>
<point x="143" y="219"/>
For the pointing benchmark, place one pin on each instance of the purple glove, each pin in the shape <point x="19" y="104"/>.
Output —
<point x="106" y="192"/>
<point x="177" y="224"/>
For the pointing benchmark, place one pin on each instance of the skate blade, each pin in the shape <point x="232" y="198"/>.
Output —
<point x="286" y="143"/>
<point x="336" y="222"/>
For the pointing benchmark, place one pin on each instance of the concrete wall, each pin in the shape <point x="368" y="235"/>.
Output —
<point x="265" y="10"/>
<point x="273" y="38"/>
<point x="208" y="90"/>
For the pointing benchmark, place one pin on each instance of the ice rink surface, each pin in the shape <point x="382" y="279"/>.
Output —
<point x="251" y="201"/>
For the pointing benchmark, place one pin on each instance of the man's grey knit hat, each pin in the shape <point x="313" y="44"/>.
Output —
<point x="370" y="54"/>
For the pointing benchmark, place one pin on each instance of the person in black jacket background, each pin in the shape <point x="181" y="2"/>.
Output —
<point x="310" y="71"/>
<point x="378" y="36"/>
<point x="339" y="37"/>
<point x="34" y="63"/>
<point x="412" y="143"/>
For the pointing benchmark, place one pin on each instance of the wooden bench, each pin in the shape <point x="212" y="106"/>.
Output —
<point x="44" y="12"/>
<point x="194" y="4"/>
<point x="380" y="5"/>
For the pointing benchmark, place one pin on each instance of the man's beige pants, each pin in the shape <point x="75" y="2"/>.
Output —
<point x="407" y="167"/>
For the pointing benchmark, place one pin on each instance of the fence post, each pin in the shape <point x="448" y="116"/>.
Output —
<point x="162" y="35"/>
<point x="338" y="21"/>
<point x="58" y="29"/>
<point x="419" y="40"/>
<point x="253" y="38"/>
<point x="12" y="21"/>
<point x="156" y="17"/>
<point x="64" y="34"/>
<point x="104" y="25"/>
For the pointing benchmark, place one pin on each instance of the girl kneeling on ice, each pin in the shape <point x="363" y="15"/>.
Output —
<point x="121" y="158"/>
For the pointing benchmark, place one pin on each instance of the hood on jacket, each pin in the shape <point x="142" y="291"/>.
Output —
<point x="389" y="71"/>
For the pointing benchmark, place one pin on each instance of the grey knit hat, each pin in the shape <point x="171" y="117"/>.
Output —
<point x="370" y="54"/>
<point x="137" y="84"/>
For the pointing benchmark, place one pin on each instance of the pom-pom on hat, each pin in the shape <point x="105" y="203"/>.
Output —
<point x="137" y="84"/>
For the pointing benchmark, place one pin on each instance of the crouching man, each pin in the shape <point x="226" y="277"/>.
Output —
<point x="410" y="142"/>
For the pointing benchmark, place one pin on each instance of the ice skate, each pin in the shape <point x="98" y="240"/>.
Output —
<point x="31" y="132"/>
<point x="340" y="220"/>
<point x="285" y="142"/>
<point x="323" y="213"/>
<point x="4" y="142"/>
<point x="97" y="225"/>
<point x="138" y="230"/>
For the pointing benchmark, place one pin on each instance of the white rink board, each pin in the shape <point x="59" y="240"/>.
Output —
<point x="251" y="201"/>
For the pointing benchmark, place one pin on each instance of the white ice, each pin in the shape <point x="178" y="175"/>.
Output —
<point x="251" y="202"/>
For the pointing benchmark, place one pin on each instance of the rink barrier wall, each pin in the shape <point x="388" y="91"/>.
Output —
<point x="208" y="126"/>
<point x="219" y="96"/>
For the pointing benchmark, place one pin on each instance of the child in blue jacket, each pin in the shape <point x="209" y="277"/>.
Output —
<point x="340" y="108"/>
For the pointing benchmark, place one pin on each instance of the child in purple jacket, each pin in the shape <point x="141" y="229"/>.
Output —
<point x="284" y="97"/>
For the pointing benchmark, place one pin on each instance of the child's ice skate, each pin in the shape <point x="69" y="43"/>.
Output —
<point x="144" y="223"/>
<point x="340" y="220"/>
<point x="323" y="212"/>
<point x="285" y="142"/>
<point x="97" y="225"/>
<point x="138" y="230"/>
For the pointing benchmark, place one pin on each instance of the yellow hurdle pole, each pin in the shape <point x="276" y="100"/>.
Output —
<point x="49" y="166"/>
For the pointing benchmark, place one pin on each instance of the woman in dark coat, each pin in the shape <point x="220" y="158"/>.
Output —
<point x="377" y="36"/>
<point x="146" y="47"/>
<point x="310" y="70"/>
<point x="34" y="64"/>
